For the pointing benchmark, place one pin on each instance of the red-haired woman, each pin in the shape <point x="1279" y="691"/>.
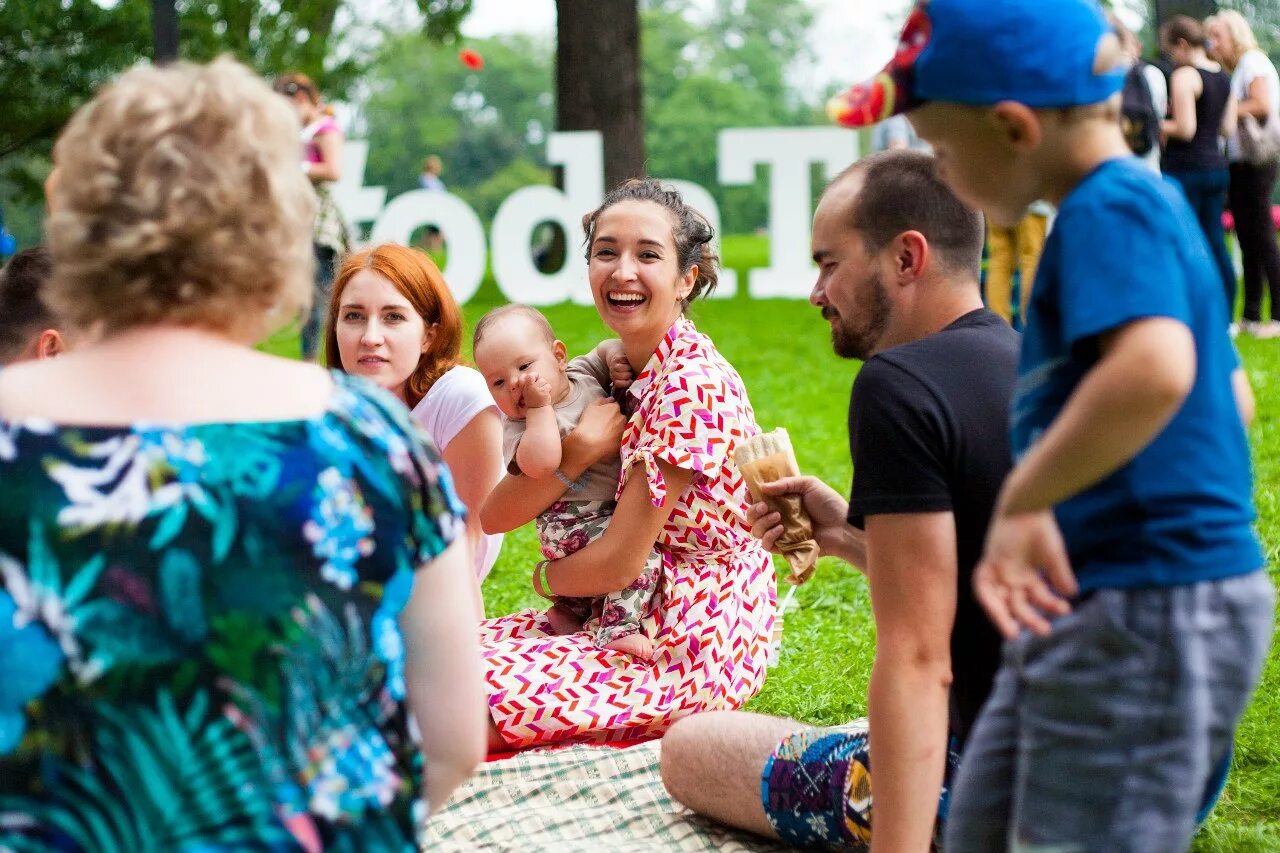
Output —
<point x="393" y="320"/>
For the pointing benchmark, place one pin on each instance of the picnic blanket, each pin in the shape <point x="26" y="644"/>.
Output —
<point x="581" y="797"/>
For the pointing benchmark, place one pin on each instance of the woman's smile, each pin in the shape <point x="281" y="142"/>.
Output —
<point x="625" y="300"/>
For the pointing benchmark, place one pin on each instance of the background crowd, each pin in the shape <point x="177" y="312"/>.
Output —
<point x="1185" y="114"/>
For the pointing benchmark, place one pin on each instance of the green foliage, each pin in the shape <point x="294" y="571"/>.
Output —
<point x="272" y="37"/>
<point x="704" y="69"/>
<point x="700" y="75"/>
<point x="489" y="195"/>
<point x="728" y="72"/>
<point x="57" y="54"/>
<point x="425" y="101"/>
<point x="443" y="18"/>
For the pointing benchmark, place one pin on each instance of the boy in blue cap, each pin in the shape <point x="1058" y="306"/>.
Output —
<point x="1121" y="564"/>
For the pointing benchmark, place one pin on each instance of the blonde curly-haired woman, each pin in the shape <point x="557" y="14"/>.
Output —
<point x="236" y="609"/>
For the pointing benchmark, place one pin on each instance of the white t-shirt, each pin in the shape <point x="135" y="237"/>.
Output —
<point x="450" y="404"/>
<point x="1160" y="101"/>
<point x="1253" y="64"/>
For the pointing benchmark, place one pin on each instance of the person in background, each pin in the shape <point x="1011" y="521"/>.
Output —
<point x="392" y="319"/>
<point x="430" y="177"/>
<point x="432" y="238"/>
<point x="1256" y="87"/>
<point x="1011" y="250"/>
<point x="1202" y="111"/>
<point x="28" y="329"/>
<point x="322" y="163"/>
<point x="234" y="589"/>
<point x="896" y="134"/>
<point x="1145" y="101"/>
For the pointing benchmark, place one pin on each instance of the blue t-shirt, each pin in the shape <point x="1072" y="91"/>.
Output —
<point x="1126" y="246"/>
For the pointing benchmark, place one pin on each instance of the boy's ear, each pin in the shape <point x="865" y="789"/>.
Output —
<point x="559" y="350"/>
<point x="1018" y="124"/>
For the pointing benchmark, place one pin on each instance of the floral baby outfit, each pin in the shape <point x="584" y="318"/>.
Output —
<point x="199" y="646"/>
<point x="568" y="526"/>
<point x="714" y="612"/>
<point x="582" y="514"/>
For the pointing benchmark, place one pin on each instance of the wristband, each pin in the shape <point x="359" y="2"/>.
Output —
<point x="564" y="478"/>
<point x="540" y="580"/>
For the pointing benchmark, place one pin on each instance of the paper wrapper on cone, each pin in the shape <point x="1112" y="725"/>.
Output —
<point x="763" y="459"/>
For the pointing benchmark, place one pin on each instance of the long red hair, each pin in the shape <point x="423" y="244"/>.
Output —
<point x="419" y="280"/>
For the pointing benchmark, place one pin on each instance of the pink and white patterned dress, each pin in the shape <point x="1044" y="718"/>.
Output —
<point x="712" y="622"/>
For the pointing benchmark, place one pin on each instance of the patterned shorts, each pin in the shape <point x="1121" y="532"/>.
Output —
<point x="816" y="789"/>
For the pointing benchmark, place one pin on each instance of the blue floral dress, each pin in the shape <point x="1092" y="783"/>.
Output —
<point x="199" y="647"/>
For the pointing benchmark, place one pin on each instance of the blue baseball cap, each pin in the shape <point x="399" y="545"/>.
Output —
<point x="1040" y="53"/>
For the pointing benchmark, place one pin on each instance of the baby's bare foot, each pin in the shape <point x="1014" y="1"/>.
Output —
<point x="563" y="621"/>
<point x="637" y="645"/>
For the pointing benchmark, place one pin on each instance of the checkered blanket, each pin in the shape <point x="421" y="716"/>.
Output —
<point x="577" y="798"/>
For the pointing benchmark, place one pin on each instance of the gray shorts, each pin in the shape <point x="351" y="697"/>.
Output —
<point x="1108" y="734"/>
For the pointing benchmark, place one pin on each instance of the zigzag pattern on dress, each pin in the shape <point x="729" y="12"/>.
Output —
<point x="712" y="628"/>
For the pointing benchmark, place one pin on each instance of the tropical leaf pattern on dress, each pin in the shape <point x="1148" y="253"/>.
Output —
<point x="337" y="762"/>
<point x="165" y="781"/>
<point x="199" y="633"/>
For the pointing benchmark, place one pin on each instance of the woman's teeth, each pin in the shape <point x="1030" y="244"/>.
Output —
<point x="626" y="298"/>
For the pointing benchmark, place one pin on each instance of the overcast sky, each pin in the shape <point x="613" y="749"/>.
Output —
<point x="852" y="38"/>
<point x="849" y="45"/>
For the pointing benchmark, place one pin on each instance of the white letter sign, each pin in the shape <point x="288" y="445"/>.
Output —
<point x="788" y="152"/>
<point x="582" y="155"/>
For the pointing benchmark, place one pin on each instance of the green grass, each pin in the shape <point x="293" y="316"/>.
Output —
<point x="782" y="350"/>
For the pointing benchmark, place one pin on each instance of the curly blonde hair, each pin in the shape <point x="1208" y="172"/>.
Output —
<point x="180" y="201"/>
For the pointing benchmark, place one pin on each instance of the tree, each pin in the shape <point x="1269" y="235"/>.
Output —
<point x="598" y="79"/>
<point x="424" y="101"/>
<point x="726" y="71"/>
<point x="1165" y="10"/>
<point x="56" y="54"/>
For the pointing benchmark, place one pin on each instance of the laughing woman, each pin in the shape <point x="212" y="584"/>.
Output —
<point x="648" y="256"/>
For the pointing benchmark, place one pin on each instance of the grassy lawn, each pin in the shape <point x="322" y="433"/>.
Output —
<point x="782" y="350"/>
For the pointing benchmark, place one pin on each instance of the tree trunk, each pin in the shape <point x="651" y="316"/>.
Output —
<point x="598" y="80"/>
<point x="1168" y="9"/>
<point x="164" y="30"/>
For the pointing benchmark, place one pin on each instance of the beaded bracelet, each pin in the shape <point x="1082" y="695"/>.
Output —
<point x="540" y="579"/>
<point x="571" y="484"/>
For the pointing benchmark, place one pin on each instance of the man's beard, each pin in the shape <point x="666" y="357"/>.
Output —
<point x="872" y="319"/>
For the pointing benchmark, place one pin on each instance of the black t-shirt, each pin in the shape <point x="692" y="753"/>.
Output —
<point x="929" y="432"/>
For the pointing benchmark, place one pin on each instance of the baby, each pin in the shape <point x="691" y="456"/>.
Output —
<point x="542" y="397"/>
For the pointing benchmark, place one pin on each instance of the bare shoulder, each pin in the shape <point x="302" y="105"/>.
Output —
<point x="1186" y="75"/>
